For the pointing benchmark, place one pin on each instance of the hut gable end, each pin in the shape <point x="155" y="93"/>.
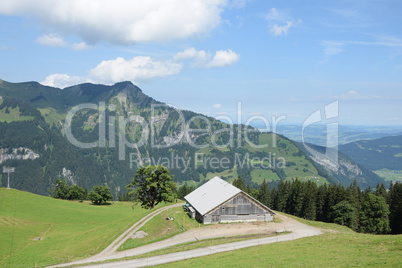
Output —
<point x="239" y="205"/>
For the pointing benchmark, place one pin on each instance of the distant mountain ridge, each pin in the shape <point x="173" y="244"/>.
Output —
<point x="124" y="128"/>
<point x="316" y="134"/>
<point x="40" y="96"/>
<point x="376" y="154"/>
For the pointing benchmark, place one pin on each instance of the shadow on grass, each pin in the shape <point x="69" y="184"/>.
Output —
<point x="102" y="204"/>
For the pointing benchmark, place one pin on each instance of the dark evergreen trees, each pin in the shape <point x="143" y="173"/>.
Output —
<point x="184" y="190"/>
<point x="264" y="195"/>
<point x="374" y="215"/>
<point x="361" y="211"/>
<point x="239" y="183"/>
<point x="344" y="213"/>
<point x="395" y="206"/>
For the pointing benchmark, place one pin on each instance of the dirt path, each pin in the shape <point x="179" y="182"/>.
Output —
<point x="112" y="248"/>
<point x="296" y="228"/>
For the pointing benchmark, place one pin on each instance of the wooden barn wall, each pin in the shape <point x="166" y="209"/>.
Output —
<point x="239" y="205"/>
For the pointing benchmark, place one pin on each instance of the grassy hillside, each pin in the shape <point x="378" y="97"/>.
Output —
<point x="376" y="154"/>
<point x="337" y="247"/>
<point x="381" y="155"/>
<point x="37" y="230"/>
<point x="13" y="114"/>
<point x="389" y="174"/>
<point x="279" y="159"/>
<point x="158" y="228"/>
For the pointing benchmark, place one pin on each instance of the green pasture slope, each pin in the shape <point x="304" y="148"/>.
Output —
<point x="158" y="228"/>
<point x="12" y="115"/>
<point x="337" y="247"/>
<point x="67" y="230"/>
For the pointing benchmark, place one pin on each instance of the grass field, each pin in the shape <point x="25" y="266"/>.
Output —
<point x="389" y="175"/>
<point x="71" y="230"/>
<point x="337" y="247"/>
<point x="38" y="230"/>
<point x="13" y="115"/>
<point x="159" y="228"/>
<point x="259" y="175"/>
<point x="52" y="117"/>
<point x="229" y="175"/>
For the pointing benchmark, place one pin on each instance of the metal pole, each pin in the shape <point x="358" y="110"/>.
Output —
<point x="8" y="180"/>
<point x="8" y="170"/>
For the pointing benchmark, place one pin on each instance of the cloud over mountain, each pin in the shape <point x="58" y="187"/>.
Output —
<point x="142" y="68"/>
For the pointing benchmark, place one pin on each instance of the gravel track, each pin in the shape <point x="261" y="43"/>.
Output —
<point x="297" y="229"/>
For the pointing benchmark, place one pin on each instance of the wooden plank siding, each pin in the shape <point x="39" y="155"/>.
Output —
<point x="237" y="209"/>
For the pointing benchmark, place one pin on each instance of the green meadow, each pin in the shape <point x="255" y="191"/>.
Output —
<point x="389" y="175"/>
<point x="38" y="230"/>
<point x="13" y="115"/>
<point x="158" y="228"/>
<point x="337" y="247"/>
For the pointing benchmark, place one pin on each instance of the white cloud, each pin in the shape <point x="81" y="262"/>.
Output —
<point x="122" y="22"/>
<point x="141" y="68"/>
<point x="224" y="58"/>
<point x="80" y="46"/>
<point x="217" y="106"/>
<point x="62" y="80"/>
<point x="279" y="22"/>
<point x="136" y="69"/>
<point x="55" y="40"/>
<point x="280" y="30"/>
<point x="203" y="59"/>
<point x="276" y="15"/>
<point x="199" y="58"/>
<point x="52" y="40"/>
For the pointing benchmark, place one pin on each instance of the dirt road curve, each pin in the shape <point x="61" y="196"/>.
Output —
<point x="298" y="230"/>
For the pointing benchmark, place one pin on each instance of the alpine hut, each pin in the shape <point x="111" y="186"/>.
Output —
<point x="219" y="201"/>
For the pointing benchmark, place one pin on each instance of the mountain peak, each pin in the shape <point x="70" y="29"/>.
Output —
<point x="126" y="85"/>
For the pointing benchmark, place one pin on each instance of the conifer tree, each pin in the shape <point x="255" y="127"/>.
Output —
<point x="395" y="206"/>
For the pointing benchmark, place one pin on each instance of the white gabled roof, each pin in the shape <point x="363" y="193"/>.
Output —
<point x="211" y="194"/>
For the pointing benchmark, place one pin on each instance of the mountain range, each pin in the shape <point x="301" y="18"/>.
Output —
<point x="99" y="134"/>
<point x="383" y="155"/>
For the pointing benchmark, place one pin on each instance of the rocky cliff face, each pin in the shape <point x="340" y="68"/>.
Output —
<point x="20" y="153"/>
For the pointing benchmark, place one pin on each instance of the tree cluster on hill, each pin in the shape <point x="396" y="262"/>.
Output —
<point x="377" y="212"/>
<point x="61" y="190"/>
<point x="24" y="108"/>
<point x="98" y="195"/>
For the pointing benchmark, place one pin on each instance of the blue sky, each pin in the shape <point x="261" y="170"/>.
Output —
<point x="277" y="58"/>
